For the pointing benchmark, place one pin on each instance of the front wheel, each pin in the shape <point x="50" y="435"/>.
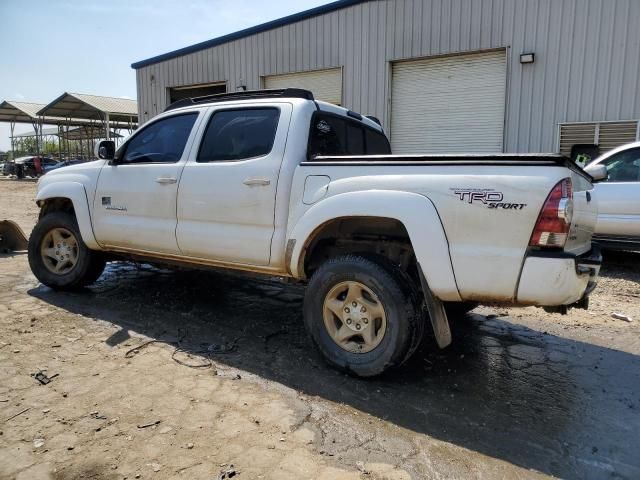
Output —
<point x="57" y="255"/>
<point x="362" y="315"/>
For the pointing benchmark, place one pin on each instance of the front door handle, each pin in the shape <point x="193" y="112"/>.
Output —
<point x="256" y="182"/>
<point x="166" y="180"/>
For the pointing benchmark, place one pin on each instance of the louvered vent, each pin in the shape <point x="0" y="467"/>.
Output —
<point x="576" y="133"/>
<point x="614" y="134"/>
<point x="607" y="135"/>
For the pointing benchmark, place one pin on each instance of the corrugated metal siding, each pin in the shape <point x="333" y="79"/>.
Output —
<point x="587" y="64"/>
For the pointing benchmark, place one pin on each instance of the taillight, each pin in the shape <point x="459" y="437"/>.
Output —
<point x="554" y="221"/>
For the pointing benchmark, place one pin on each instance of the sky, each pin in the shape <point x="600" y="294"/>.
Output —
<point x="87" y="46"/>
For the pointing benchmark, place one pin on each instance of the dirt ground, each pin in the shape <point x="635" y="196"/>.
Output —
<point x="232" y="384"/>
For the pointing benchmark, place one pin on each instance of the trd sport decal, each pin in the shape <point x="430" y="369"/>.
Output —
<point x="486" y="196"/>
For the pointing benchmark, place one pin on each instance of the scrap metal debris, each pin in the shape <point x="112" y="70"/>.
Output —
<point x="17" y="414"/>
<point x="620" y="316"/>
<point x="152" y="424"/>
<point x="12" y="238"/>
<point x="43" y="378"/>
<point x="206" y="350"/>
<point x="228" y="473"/>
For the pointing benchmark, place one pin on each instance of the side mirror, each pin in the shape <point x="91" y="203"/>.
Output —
<point x="106" y="150"/>
<point x="598" y="172"/>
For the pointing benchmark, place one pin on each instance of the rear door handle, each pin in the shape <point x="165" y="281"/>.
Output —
<point x="256" y="182"/>
<point x="166" y="180"/>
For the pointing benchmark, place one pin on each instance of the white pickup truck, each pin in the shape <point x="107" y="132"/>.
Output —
<point x="274" y="182"/>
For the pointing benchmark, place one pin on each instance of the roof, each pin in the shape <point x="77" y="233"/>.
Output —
<point x="75" y="133"/>
<point x="91" y="107"/>
<point x="20" y="112"/>
<point x="263" y="27"/>
<point x="87" y="132"/>
<point x="45" y="131"/>
<point x="30" y="112"/>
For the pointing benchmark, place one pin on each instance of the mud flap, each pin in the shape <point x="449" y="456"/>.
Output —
<point x="437" y="313"/>
<point x="12" y="238"/>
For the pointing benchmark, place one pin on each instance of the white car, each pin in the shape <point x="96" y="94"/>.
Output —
<point x="274" y="182"/>
<point x="618" y="196"/>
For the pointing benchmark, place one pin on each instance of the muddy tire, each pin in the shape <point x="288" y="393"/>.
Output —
<point x="57" y="255"/>
<point x="363" y="315"/>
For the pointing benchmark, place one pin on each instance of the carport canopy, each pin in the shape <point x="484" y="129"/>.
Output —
<point x="13" y="112"/>
<point x="86" y="132"/>
<point x="118" y="112"/>
<point x="24" y="112"/>
<point x="45" y="131"/>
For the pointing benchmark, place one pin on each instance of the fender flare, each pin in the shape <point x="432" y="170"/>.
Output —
<point x="416" y="212"/>
<point x="77" y="194"/>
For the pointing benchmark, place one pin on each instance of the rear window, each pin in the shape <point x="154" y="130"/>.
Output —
<point x="334" y="135"/>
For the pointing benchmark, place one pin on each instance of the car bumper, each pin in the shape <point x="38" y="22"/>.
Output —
<point x="618" y="242"/>
<point x="558" y="278"/>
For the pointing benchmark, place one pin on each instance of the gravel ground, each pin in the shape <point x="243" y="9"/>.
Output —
<point x="520" y="394"/>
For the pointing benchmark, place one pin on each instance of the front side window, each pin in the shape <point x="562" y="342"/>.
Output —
<point x="161" y="142"/>
<point x="334" y="135"/>
<point x="239" y="134"/>
<point x="624" y="166"/>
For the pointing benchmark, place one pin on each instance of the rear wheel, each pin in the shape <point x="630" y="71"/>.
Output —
<point x="362" y="315"/>
<point x="57" y="255"/>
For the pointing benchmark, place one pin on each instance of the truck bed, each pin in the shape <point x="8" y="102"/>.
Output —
<point x="487" y="240"/>
<point x="501" y="159"/>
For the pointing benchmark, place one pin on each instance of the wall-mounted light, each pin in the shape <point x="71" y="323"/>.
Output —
<point x="241" y="88"/>
<point x="527" y="57"/>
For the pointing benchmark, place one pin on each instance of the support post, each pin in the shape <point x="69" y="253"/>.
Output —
<point x="12" y="126"/>
<point x="106" y="124"/>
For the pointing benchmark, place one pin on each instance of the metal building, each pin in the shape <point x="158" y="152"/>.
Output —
<point x="442" y="75"/>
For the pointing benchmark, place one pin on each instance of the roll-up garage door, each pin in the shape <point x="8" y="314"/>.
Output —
<point x="450" y="104"/>
<point x="189" y="91"/>
<point x="326" y="85"/>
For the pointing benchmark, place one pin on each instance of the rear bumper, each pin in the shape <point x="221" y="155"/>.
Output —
<point x="558" y="278"/>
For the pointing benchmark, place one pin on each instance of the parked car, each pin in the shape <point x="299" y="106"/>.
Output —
<point x="618" y="225"/>
<point x="274" y="182"/>
<point x="8" y="168"/>
<point x="64" y="163"/>
<point x="32" y="166"/>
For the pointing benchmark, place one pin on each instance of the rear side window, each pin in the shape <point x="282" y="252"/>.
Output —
<point x="377" y="143"/>
<point x="161" y="142"/>
<point x="336" y="135"/>
<point x="239" y="134"/>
